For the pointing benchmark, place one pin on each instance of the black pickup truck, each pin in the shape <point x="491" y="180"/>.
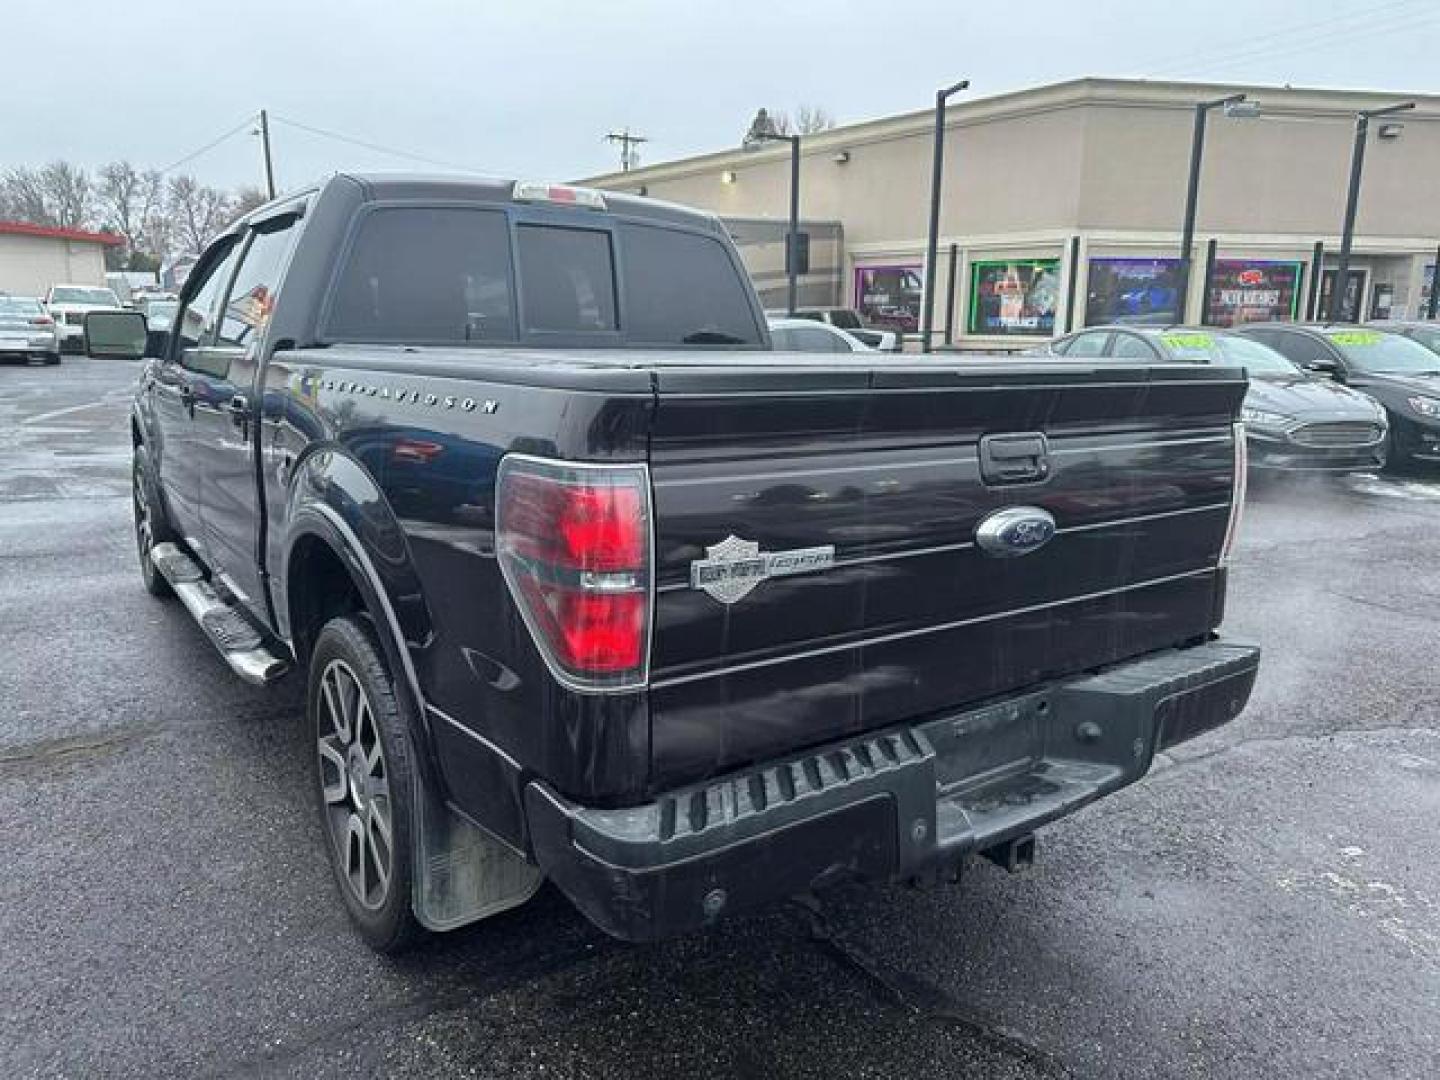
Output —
<point x="589" y="584"/>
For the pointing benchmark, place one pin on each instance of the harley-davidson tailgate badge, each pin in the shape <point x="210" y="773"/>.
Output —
<point x="734" y="566"/>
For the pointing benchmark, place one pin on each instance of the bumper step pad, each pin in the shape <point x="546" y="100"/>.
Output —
<point x="892" y="805"/>
<point x="237" y="639"/>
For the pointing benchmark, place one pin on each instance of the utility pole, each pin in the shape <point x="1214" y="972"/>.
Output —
<point x="265" y="147"/>
<point x="629" y="156"/>
<point x="932" y="245"/>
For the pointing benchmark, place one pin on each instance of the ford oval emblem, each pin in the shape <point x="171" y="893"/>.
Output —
<point x="1017" y="530"/>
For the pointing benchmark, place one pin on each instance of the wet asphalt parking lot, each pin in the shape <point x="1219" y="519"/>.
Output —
<point x="1266" y="903"/>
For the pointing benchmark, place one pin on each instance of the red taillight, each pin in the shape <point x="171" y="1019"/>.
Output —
<point x="574" y="545"/>
<point x="42" y="320"/>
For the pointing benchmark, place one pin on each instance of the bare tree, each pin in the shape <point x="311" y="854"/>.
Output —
<point x="127" y="201"/>
<point x="69" y="192"/>
<point x="811" y="119"/>
<point x="808" y="120"/>
<point x="197" y="212"/>
<point x="245" y="199"/>
<point x="22" y="197"/>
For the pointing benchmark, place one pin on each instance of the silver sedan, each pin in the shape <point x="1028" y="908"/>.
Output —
<point x="27" y="332"/>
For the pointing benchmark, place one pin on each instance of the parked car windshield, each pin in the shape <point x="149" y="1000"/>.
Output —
<point x="19" y="305"/>
<point x="69" y="295"/>
<point x="1378" y="353"/>
<point x="1259" y="360"/>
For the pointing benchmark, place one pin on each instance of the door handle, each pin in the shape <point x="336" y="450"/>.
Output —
<point x="239" y="406"/>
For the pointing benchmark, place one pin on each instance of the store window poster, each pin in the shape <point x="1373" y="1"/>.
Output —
<point x="1132" y="291"/>
<point x="890" y="296"/>
<point x="1252" y="290"/>
<point x="1015" y="297"/>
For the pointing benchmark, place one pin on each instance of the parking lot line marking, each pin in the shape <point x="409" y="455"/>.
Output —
<point x="53" y="413"/>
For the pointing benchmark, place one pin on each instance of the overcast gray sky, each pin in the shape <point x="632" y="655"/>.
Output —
<point x="530" y="88"/>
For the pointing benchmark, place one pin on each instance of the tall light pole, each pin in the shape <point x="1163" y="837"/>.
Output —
<point x="932" y="244"/>
<point x="762" y="129"/>
<point x="1192" y="192"/>
<point x="1352" y="201"/>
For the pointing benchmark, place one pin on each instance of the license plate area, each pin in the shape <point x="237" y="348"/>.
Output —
<point x="989" y="744"/>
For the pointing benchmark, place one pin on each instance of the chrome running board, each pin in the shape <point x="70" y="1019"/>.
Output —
<point x="231" y="633"/>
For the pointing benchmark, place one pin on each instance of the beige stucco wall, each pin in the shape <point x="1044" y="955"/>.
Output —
<point x="1104" y="160"/>
<point x="29" y="265"/>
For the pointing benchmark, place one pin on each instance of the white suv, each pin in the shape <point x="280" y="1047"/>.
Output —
<point x="68" y="305"/>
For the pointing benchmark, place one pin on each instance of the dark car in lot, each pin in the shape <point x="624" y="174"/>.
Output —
<point x="1397" y="371"/>
<point x="1425" y="331"/>
<point x="1293" y="421"/>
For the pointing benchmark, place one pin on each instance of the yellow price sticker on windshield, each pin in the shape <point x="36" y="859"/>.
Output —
<point x="1356" y="337"/>
<point x="1188" y="341"/>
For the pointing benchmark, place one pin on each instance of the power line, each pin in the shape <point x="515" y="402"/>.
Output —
<point x="338" y="137"/>
<point x="1338" y="35"/>
<point x="1287" y="37"/>
<point x="210" y="145"/>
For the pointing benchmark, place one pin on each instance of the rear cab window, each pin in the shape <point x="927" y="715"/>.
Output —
<point x="446" y="275"/>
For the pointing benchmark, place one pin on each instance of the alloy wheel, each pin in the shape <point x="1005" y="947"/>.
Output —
<point x="355" y="786"/>
<point x="144" y="528"/>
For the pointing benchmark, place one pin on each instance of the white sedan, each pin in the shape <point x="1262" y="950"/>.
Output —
<point x="804" y="335"/>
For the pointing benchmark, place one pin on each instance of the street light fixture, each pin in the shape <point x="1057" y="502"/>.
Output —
<point x="1238" y="107"/>
<point x="762" y="129"/>
<point x="932" y="243"/>
<point x="1352" y="201"/>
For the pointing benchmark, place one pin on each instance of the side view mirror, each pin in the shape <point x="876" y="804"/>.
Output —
<point x="116" y="334"/>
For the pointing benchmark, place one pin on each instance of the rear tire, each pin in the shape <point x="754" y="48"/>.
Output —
<point x="52" y="358"/>
<point x="151" y="525"/>
<point x="364" y="781"/>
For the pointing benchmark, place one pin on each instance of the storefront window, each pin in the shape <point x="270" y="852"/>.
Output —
<point x="890" y="296"/>
<point x="1132" y="291"/>
<point x="1014" y="298"/>
<point x="1250" y="290"/>
<point x="1354" y="286"/>
<point x="1425" y="289"/>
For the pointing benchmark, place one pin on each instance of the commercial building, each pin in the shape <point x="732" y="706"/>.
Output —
<point x="34" y="257"/>
<point x="1063" y="204"/>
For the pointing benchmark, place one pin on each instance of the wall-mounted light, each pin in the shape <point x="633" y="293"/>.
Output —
<point x="841" y="158"/>
<point x="1389" y="131"/>
<point x="728" y="176"/>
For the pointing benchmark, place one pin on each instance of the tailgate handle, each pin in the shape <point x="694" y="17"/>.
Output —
<point x="1014" y="459"/>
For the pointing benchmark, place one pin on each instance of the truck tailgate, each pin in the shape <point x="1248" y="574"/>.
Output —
<point x="881" y="460"/>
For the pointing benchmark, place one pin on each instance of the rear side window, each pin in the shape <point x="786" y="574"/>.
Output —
<point x="1297" y="348"/>
<point x="682" y="289"/>
<point x="1087" y="345"/>
<point x="1132" y="347"/>
<point x="426" y="275"/>
<point x="441" y="275"/>
<point x="569" y="279"/>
